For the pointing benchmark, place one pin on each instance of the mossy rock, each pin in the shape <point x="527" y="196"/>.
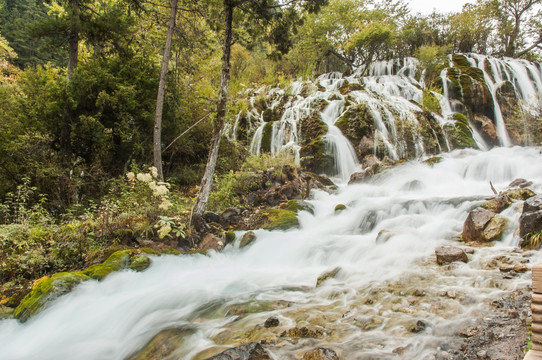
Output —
<point x="520" y="194"/>
<point x="171" y="251"/>
<point x="340" y="207"/>
<point x="314" y="156"/>
<point x="431" y="103"/>
<point x="461" y="135"/>
<point x="6" y="312"/>
<point x="269" y="115"/>
<point x="46" y="290"/>
<point x="140" y="262"/>
<point x="433" y="160"/>
<point x="311" y="128"/>
<point x="349" y="87"/>
<point x="229" y="236"/>
<point x="247" y="239"/>
<point x="279" y="219"/>
<point x="356" y="122"/>
<point x="460" y="61"/>
<point x="267" y="135"/>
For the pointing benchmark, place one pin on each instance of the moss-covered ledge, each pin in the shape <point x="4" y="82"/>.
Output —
<point x="49" y="288"/>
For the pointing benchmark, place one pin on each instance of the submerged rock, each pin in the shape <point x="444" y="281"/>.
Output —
<point x="252" y="351"/>
<point x="272" y="321"/>
<point x="448" y="254"/>
<point x="162" y="345"/>
<point x="321" y="354"/>
<point x="247" y="239"/>
<point x="327" y="275"/>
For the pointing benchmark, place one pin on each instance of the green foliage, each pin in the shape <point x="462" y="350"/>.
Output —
<point x="430" y="101"/>
<point x="433" y="59"/>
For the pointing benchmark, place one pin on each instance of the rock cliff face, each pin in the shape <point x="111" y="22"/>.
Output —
<point x="479" y="102"/>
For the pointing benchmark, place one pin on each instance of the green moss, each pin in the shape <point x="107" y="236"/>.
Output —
<point x="140" y="262"/>
<point x="171" y="251"/>
<point x="119" y="260"/>
<point x="433" y="160"/>
<point x="229" y="236"/>
<point x="247" y="239"/>
<point x="520" y="194"/>
<point x="356" y="123"/>
<point x="98" y="271"/>
<point x="280" y="219"/>
<point x="461" y="133"/>
<point x="349" y="87"/>
<point x="150" y="251"/>
<point x="266" y="136"/>
<point x="46" y="290"/>
<point x="430" y="102"/>
<point x="340" y="207"/>
<point x="314" y="156"/>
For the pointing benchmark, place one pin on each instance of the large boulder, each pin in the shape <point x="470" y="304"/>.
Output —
<point x="448" y="254"/>
<point x="252" y="351"/>
<point x="483" y="226"/>
<point x="487" y="129"/>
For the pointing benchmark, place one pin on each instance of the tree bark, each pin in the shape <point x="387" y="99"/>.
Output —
<point x="66" y="125"/>
<point x="207" y="180"/>
<point x="157" y="135"/>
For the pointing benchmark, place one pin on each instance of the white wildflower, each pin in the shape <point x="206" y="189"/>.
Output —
<point x="160" y="190"/>
<point x="154" y="171"/>
<point x="144" y="177"/>
<point x="152" y="186"/>
<point x="165" y="204"/>
<point x="130" y="176"/>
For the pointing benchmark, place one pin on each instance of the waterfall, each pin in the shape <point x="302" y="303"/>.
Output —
<point x="383" y="243"/>
<point x="344" y="157"/>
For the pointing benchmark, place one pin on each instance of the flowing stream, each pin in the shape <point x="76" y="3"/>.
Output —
<point x="383" y="243"/>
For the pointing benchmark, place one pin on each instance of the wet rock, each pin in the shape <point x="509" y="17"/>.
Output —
<point x="519" y="194"/>
<point x="321" y="354"/>
<point x="487" y="129"/>
<point x="413" y="185"/>
<point x="327" y="275"/>
<point x="383" y="236"/>
<point x="272" y="321"/>
<point x="211" y="242"/>
<point x="274" y="219"/>
<point x="340" y="207"/>
<point x="448" y="254"/>
<point x="252" y="351"/>
<point x="303" y="332"/>
<point x="162" y="345"/>
<point x="521" y="183"/>
<point x="498" y="203"/>
<point x="247" y="239"/>
<point x="417" y="327"/>
<point x="483" y="225"/>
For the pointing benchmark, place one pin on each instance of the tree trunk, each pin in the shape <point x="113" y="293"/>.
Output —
<point x="157" y="136"/>
<point x="66" y="125"/>
<point x="207" y="180"/>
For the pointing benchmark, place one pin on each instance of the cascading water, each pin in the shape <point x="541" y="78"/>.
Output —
<point x="393" y="91"/>
<point x="344" y="157"/>
<point x="383" y="243"/>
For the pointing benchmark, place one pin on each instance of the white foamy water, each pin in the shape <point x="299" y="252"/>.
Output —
<point x="365" y="310"/>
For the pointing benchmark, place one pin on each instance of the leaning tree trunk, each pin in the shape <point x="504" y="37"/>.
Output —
<point x="157" y="136"/>
<point x="207" y="180"/>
